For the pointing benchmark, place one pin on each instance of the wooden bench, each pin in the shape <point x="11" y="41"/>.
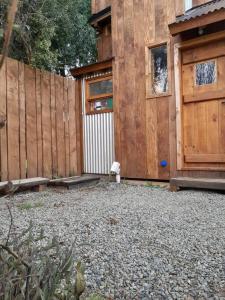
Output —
<point x="75" y="182"/>
<point x="197" y="183"/>
<point x="36" y="184"/>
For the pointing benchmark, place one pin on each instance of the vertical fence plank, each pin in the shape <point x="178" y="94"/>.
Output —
<point x="13" y="119"/>
<point x="39" y="124"/>
<point x="46" y="125"/>
<point x="3" y="131"/>
<point x="72" y="128"/>
<point x="60" y="128"/>
<point x="22" y="118"/>
<point x="31" y="122"/>
<point x="66" y="126"/>
<point x="53" y="127"/>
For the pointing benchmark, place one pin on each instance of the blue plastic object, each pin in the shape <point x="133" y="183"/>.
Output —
<point x="164" y="163"/>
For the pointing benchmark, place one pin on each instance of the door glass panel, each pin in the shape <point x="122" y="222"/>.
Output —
<point x="101" y="87"/>
<point x="205" y="73"/>
<point x="159" y="69"/>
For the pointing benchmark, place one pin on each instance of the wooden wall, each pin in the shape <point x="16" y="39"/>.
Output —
<point x="145" y="128"/>
<point x="199" y="2"/>
<point x="142" y="125"/>
<point x="98" y="5"/>
<point x="42" y="132"/>
<point x="104" y="43"/>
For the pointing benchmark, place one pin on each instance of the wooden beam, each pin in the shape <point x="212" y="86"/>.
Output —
<point x="207" y="96"/>
<point x="205" y="158"/>
<point x="210" y="18"/>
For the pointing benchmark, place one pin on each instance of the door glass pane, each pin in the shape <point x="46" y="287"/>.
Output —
<point x="101" y="105"/>
<point x="205" y="73"/>
<point x="100" y="88"/>
<point x="159" y="69"/>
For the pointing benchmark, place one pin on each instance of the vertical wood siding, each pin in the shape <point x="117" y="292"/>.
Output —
<point x="142" y="125"/>
<point x="145" y="127"/>
<point x="42" y="132"/>
<point x="98" y="5"/>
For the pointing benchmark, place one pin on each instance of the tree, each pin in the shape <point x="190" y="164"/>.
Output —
<point x="52" y="34"/>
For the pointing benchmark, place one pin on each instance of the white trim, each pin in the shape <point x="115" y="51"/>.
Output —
<point x="177" y="73"/>
<point x="188" y="4"/>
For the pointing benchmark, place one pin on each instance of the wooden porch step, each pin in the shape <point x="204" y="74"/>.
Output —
<point x="197" y="183"/>
<point x="75" y="182"/>
<point x="37" y="183"/>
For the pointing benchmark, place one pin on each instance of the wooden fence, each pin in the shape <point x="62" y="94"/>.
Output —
<point x="41" y="136"/>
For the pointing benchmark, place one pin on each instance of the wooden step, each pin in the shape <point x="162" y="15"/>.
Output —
<point x="75" y="182"/>
<point x="37" y="184"/>
<point x="197" y="183"/>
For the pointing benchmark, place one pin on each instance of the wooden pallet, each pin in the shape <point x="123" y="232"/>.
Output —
<point x="36" y="184"/>
<point x="75" y="182"/>
<point x="197" y="183"/>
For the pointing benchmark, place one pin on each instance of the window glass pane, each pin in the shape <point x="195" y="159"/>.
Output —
<point x="159" y="69"/>
<point x="101" y="87"/>
<point x="101" y="105"/>
<point x="205" y="73"/>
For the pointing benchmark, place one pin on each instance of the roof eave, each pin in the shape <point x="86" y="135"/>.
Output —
<point x="95" y="67"/>
<point x="207" y="19"/>
<point x="100" y="16"/>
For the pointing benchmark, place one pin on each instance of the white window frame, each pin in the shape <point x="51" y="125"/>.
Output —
<point x="188" y="4"/>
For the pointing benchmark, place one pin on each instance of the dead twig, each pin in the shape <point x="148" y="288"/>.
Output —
<point x="11" y="224"/>
<point x="8" y="29"/>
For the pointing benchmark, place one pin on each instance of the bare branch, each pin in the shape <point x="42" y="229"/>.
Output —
<point x="11" y="224"/>
<point x="8" y="30"/>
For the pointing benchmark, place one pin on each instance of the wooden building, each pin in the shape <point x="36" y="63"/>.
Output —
<point x="155" y="101"/>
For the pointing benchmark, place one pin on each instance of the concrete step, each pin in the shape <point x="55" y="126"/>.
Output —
<point x="75" y="182"/>
<point x="197" y="183"/>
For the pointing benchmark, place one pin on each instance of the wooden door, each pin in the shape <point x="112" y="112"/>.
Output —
<point x="203" y="107"/>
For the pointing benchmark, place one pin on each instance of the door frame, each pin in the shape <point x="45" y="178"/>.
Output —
<point x="104" y="118"/>
<point x="178" y="48"/>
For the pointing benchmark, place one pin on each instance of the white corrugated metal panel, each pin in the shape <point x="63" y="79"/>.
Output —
<point x="98" y="140"/>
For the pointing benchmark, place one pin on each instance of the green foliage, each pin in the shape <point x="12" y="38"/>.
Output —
<point x="28" y="205"/>
<point x="30" y="268"/>
<point x="52" y="34"/>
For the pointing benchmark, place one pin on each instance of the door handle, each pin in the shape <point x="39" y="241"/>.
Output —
<point x="223" y="102"/>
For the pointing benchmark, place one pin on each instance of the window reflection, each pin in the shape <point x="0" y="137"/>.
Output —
<point x="205" y="73"/>
<point x="101" y="88"/>
<point x="159" y="69"/>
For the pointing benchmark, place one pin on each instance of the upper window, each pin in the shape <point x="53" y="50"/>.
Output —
<point x="159" y="70"/>
<point x="205" y="72"/>
<point x="188" y="4"/>
<point x="99" y="95"/>
<point x="100" y="88"/>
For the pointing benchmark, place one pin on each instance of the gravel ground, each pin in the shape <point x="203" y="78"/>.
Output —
<point x="136" y="242"/>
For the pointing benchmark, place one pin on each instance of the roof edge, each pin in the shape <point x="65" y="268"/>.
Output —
<point x="95" y="18"/>
<point x="196" y="22"/>
<point x="91" y="68"/>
